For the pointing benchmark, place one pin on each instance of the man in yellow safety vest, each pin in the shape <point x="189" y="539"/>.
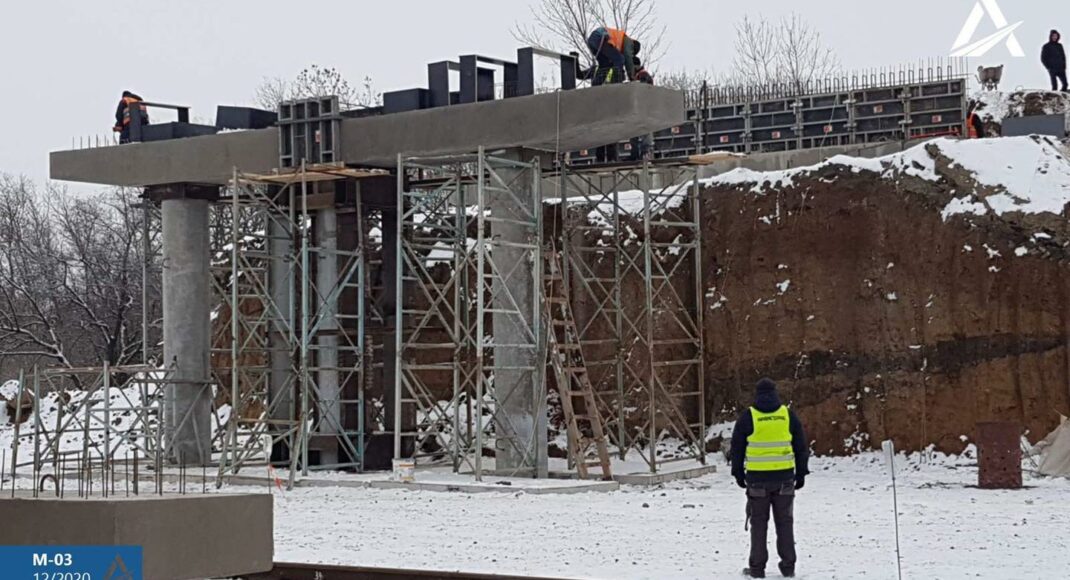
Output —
<point x="769" y="460"/>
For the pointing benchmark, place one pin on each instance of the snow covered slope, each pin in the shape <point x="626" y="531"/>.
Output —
<point x="1020" y="174"/>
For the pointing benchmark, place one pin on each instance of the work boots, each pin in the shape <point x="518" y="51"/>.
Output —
<point x="786" y="571"/>
<point x="753" y="573"/>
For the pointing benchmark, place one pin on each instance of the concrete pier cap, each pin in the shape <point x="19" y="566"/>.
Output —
<point x="560" y="121"/>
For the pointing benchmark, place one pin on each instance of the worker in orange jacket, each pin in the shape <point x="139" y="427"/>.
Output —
<point x="975" y="128"/>
<point x="123" y="114"/>
<point x="614" y="53"/>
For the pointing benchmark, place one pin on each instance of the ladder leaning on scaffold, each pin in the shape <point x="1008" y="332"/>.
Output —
<point x="585" y="428"/>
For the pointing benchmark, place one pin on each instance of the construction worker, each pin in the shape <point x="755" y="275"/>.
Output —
<point x="614" y="53"/>
<point x="769" y="460"/>
<point x="642" y="147"/>
<point x="975" y="127"/>
<point x="123" y="115"/>
<point x="1053" y="57"/>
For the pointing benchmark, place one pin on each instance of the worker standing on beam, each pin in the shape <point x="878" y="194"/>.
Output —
<point x="614" y="54"/>
<point x="124" y="115"/>
<point x="770" y="460"/>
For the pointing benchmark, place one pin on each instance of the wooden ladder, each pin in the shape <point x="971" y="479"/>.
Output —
<point x="573" y="383"/>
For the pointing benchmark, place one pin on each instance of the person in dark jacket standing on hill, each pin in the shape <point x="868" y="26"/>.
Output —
<point x="1054" y="58"/>
<point x="770" y="460"/>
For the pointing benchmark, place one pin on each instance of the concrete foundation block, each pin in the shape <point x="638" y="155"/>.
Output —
<point x="182" y="536"/>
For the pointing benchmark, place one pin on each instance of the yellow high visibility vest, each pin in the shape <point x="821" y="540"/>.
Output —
<point x="769" y="447"/>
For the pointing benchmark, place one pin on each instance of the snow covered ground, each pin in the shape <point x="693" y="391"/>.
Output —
<point x="694" y="529"/>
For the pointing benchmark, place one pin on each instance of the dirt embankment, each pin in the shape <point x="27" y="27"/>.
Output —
<point x="878" y="318"/>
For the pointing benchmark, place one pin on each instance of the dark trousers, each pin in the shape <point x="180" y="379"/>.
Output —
<point x="780" y="498"/>
<point x="1057" y="75"/>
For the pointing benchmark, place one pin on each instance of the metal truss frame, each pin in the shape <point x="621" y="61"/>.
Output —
<point x="448" y="208"/>
<point x="639" y="223"/>
<point x="256" y="209"/>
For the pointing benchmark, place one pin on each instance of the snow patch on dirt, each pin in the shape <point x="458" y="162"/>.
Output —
<point x="1025" y="174"/>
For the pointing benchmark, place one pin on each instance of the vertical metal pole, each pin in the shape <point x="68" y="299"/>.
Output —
<point x="644" y="184"/>
<point x="399" y="309"/>
<point x="37" y="427"/>
<point x="480" y="265"/>
<point x="362" y="292"/>
<point x="460" y="323"/>
<point x="618" y="274"/>
<point x="696" y="217"/>
<point x="291" y="305"/>
<point x="566" y="283"/>
<point x="85" y="430"/>
<point x="537" y="290"/>
<point x="18" y="426"/>
<point x="146" y="249"/>
<point x="235" y="310"/>
<point x="107" y="426"/>
<point x="305" y="288"/>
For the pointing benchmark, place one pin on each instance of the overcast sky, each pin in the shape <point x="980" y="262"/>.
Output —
<point x="66" y="62"/>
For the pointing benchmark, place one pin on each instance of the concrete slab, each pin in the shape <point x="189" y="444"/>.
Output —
<point x="182" y="536"/>
<point x="568" y="120"/>
<point x="503" y="485"/>
<point x="666" y="475"/>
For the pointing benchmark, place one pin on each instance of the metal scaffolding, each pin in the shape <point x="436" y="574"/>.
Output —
<point x="470" y="347"/>
<point x="628" y="233"/>
<point x="290" y="354"/>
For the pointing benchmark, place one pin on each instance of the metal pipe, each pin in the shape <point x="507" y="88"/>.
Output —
<point x="37" y="428"/>
<point x="649" y="313"/>
<point x="480" y="268"/>
<point x="15" y="442"/>
<point x="399" y="310"/>
<point x="305" y="314"/>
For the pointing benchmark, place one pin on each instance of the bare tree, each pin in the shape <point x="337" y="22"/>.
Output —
<point x="70" y="276"/>
<point x="317" y="81"/>
<point x="787" y="51"/>
<point x="563" y="25"/>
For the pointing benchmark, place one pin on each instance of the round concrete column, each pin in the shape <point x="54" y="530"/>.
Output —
<point x="187" y="329"/>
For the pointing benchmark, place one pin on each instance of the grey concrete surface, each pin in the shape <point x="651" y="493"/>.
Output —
<point x="568" y="120"/>
<point x="328" y="388"/>
<point x="666" y="475"/>
<point x="281" y="287"/>
<point x="187" y="328"/>
<point x="187" y="536"/>
<point x="519" y="383"/>
<point x="209" y="159"/>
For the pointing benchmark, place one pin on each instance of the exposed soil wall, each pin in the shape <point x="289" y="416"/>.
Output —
<point x="879" y="319"/>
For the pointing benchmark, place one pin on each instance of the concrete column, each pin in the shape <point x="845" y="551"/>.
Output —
<point x="281" y="283"/>
<point x="518" y="375"/>
<point x="186" y="324"/>
<point x="328" y="388"/>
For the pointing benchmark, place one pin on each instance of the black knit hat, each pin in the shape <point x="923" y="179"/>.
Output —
<point x="766" y="386"/>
